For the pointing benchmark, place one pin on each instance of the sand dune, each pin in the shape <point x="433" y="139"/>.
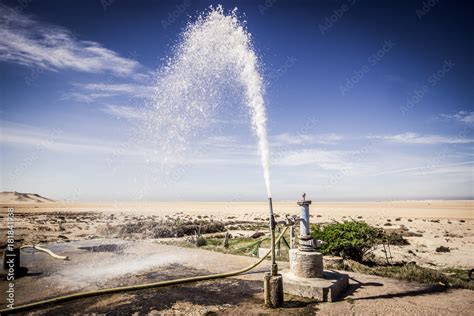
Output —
<point x="17" y="197"/>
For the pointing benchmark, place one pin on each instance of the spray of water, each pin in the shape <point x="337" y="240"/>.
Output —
<point x="213" y="56"/>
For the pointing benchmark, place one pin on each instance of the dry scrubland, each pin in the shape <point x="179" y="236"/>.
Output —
<point x="427" y="225"/>
<point x="104" y="229"/>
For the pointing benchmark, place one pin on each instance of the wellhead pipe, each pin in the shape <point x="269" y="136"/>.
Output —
<point x="274" y="267"/>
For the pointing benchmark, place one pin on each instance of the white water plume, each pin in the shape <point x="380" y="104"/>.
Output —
<point x="214" y="56"/>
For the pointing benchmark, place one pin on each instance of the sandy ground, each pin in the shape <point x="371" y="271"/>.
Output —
<point x="76" y="229"/>
<point x="433" y="223"/>
<point x="114" y="263"/>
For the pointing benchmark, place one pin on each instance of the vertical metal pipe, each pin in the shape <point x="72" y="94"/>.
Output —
<point x="306" y="241"/>
<point x="292" y="236"/>
<point x="274" y="268"/>
<point x="304" y="223"/>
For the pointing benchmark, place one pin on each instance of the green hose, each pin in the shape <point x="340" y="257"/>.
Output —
<point x="78" y="295"/>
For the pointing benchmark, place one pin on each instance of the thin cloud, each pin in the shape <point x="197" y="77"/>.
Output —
<point x="414" y="138"/>
<point x="328" y="160"/>
<point x="28" y="42"/>
<point x="300" y="139"/>
<point x="216" y="150"/>
<point x="420" y="168"/>
<point x="461" y="116"/>
<point x="52" y="140"/>
<point x="123" y="111"/>
<point x="90" y="92"/>
<point x="135" y="90"/>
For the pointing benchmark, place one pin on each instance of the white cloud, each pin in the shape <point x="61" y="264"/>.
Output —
<point x="123" y="111"/>
<point x="90" y="92"/>
<point x="84" y="97"/>
<point x="328" y="160"/>
<point x="28" y="42"/>
<point x="305" y="139"/>
<point x="52" y="140"/>
<point x="429" y="169"/>
<point x="460" y="169"/>
<point x="216" y="150"/>
<point x="135" y="90"/>
<point x="414" y="138"/>
<point x="461" y="116"/>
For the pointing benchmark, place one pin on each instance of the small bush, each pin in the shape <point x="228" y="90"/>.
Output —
<point x="201" y="241"/>
<point x="349" y="239"/>
<point x="396" y="239"/>
<point x="443" y="249"/>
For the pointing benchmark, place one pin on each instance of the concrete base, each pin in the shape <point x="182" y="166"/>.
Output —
<point x="306" y="264"/>
<point x="273" y="290"/>
<point x="326" y="289"/>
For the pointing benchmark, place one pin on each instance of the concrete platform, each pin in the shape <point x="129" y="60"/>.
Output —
<point x="326" y="289"/>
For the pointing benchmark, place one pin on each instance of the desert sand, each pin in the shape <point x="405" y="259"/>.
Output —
<point x="64" y="226"/>
<point x="430" y="224"/>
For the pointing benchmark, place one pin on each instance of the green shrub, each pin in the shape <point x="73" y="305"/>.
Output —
<point x="201" y="241"/>
<point x="349" y="239"/>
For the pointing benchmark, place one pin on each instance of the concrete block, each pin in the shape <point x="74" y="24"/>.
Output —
<point x="326" y="289"/>
<point x="273" y="290"/>
<point x="306" y="264"/>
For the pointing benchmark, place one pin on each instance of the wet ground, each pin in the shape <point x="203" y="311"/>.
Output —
<point x="102" y="263"/>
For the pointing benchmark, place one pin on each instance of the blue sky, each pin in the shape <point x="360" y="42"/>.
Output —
<point x="366" y="100"/>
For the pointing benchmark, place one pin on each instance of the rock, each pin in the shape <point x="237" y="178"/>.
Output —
<point x="443" y="249"/>
<point x="257" y="235"/>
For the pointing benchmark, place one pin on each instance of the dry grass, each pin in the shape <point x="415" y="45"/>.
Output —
<point x="455" y="278"/>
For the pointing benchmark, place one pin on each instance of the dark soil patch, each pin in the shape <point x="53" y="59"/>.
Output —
<point x="171" y="228"/>
<point x="207" y="294"/>
<point x="103" y="248"/>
